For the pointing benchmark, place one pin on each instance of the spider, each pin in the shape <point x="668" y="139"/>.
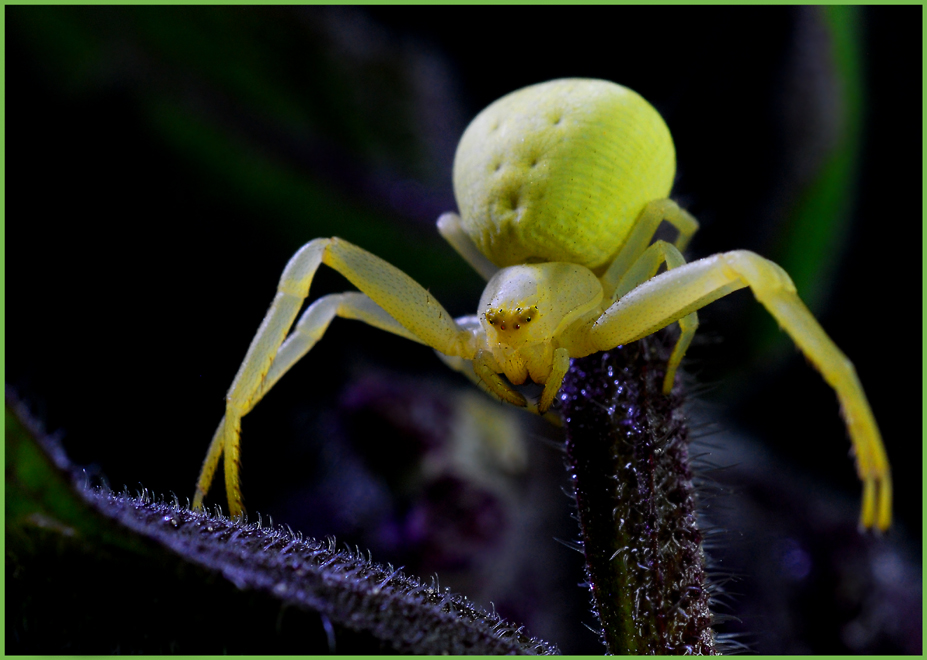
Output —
<point x="561" y="187"/>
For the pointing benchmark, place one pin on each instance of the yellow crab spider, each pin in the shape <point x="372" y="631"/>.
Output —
<point x="561" y="187"/>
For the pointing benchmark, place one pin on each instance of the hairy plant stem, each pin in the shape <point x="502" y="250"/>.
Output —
<point x="627" y="445"/>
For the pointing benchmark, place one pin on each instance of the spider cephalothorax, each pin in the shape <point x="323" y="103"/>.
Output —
<point x="520" y="316"/>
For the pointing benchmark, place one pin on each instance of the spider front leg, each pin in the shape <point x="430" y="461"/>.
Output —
<point x="307" y="331"/>
<point x="291" y="291"/>
<point x="394" y="302"/>
<point x="678" y="292"/>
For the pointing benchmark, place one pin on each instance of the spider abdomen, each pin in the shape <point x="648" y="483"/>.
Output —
<point x="560" y="171"/>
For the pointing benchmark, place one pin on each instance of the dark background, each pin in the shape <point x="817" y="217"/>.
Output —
<point x="164" y="163"/>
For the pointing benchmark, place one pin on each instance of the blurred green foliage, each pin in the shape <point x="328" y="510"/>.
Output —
<point x="818" y="223"/>
<point x="39" y="495"/>
<point x="266" y="125"/>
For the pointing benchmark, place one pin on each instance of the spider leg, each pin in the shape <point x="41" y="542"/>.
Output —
<point x="555" y="380"/>
<point x="394" y="302"/>
<point x="643" y="232"/>
<point x="644" y="269"/>
<point x="481" y="372"/>
<point x="680" y="291"/>
<point x="313" y="324"/>
<point x="291" y="291"/>
<point x="505" y="392"/>
<point x="466" y="367"/>
<point x="450" y="227"/>
<point x="487" y="371"/>
<point x="307" y="331"/>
